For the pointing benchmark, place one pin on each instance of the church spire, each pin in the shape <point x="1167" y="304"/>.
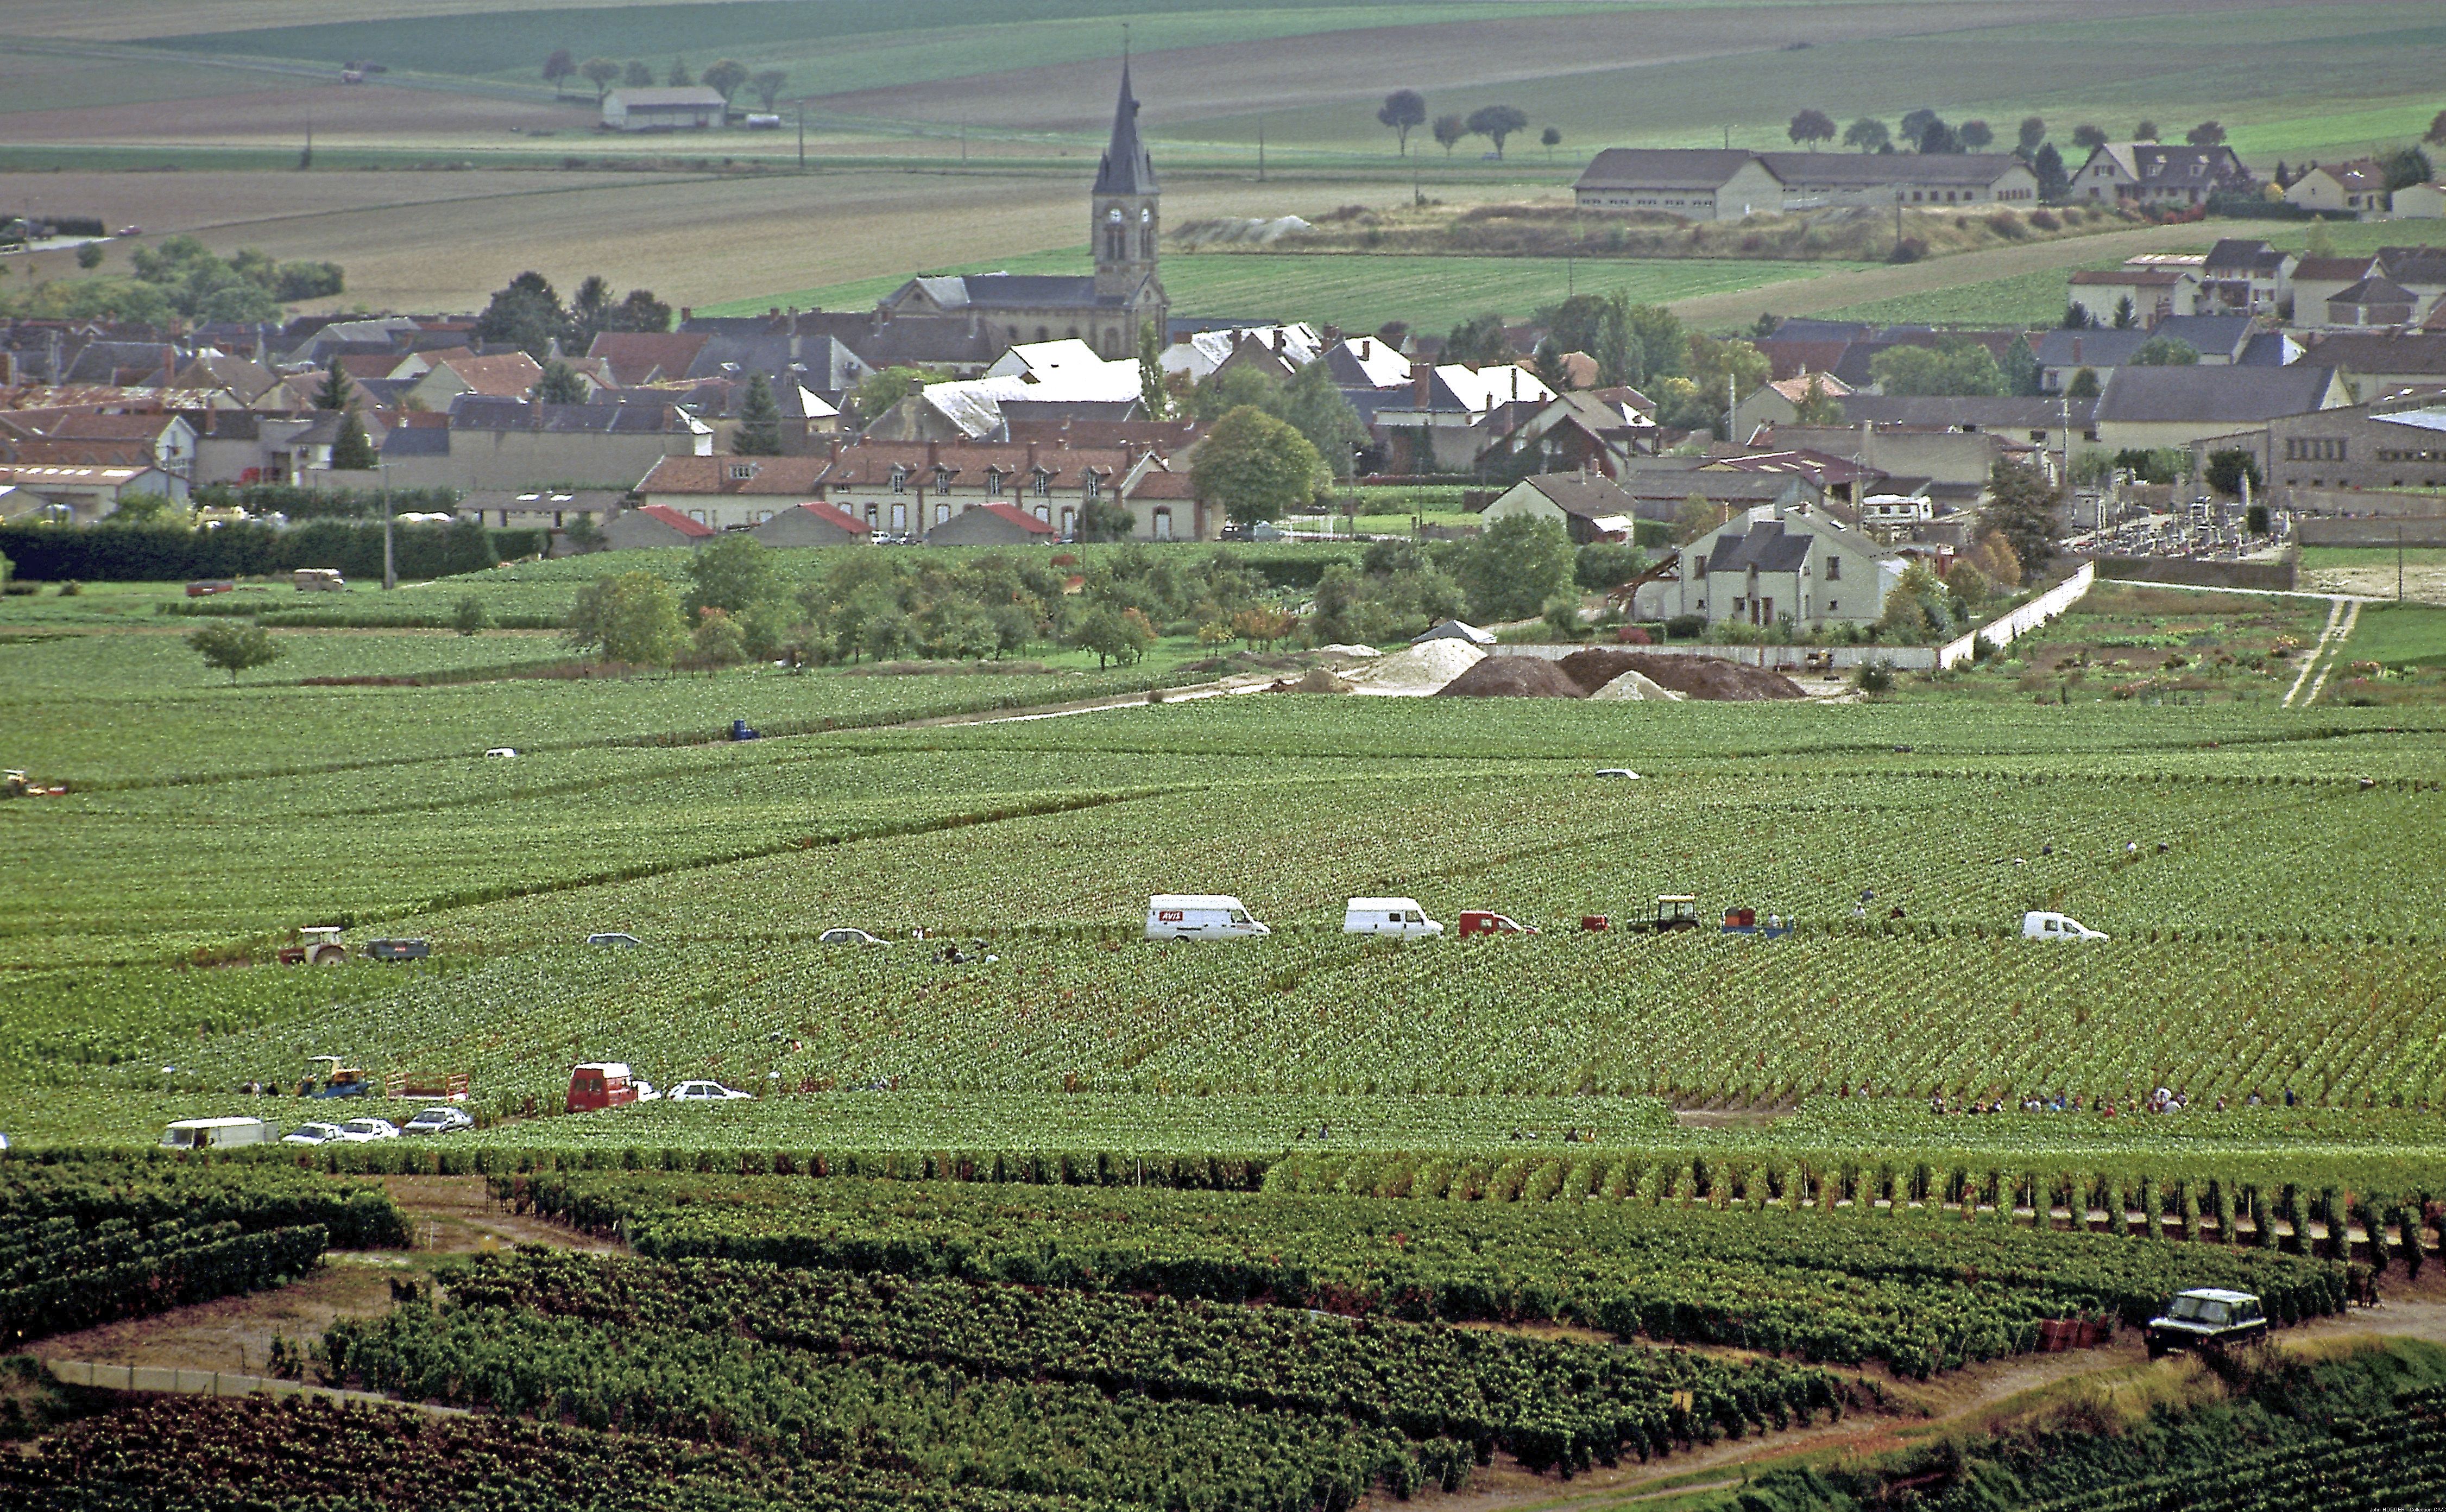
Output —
<point x="1126" y="168"/>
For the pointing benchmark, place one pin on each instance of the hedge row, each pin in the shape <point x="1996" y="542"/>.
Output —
<point x="108" y="553"/>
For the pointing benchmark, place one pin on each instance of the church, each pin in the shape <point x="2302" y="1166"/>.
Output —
<point x="967" y="320"/>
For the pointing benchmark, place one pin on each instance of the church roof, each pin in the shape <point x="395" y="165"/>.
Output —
<point x="1126" y="168"/>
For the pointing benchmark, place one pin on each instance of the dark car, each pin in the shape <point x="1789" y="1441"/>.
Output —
<point x="2207" y="1319"/>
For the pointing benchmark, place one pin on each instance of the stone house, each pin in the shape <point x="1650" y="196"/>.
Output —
<point x="1774" y="564"/>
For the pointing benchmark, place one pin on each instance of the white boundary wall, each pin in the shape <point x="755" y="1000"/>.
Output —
<point x="2023" y="619"/>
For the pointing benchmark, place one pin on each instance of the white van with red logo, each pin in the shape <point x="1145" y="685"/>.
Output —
<point x="1201" y="916"/>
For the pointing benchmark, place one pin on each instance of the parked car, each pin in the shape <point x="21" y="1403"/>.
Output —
<point x="365" y="1131"/>
<point x="398" y="949"/>
<point x="612" y="939"/>
<point x="1480" y="921"/>
<point x="1402" y="918"/>
<point x="849" y="937"/>
<point x="2206" y="1318"/>
<point x="312" y="1135"/>
<point x="504" y="751"/>
<point x="1618" y="771"/>
<point x="2038" y="924"/>
<point x="704" y="1092"/>
<point x="1201" y="916"/>
<point x="213" y="1133"/>
<point x="438" y="1121"/>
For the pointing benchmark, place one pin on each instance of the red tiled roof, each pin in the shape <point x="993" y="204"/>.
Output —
<point x="1019" y="517"/>
<point x="797" y="475"/>
<point x="838" y="519"/>
<point x="695" y="529"/>
<point x="639" y="356"/>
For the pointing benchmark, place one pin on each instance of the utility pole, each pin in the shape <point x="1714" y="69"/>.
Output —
<point x="1261" y="149"/>
<point x="803" y="135"/>
<point x="390" y="567"/>
<point x="2398" y="563"/>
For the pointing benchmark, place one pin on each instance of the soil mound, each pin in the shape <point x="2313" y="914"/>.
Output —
<point x="1513" y="677"/>
<point x="1317" y="680"/>
<point x="1422" y="669"/>
<point x="1697" y="677"/>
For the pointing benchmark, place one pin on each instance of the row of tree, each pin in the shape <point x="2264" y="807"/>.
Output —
<point x="726" y="77"/>
<point x="529" y="314"/>
<point x="178" y="278"/>
<point x="1405" y="110"/>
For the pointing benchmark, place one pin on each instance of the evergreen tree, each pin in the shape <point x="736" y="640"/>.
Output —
<point x="336" y="392"/>
<point x="353" y="451"/>
<point x="559" y="385"/>
<point x="2021" y="507"/>
<point x="1151" y="397"/>
<point x="2021" y="368"/>
<point x="760" y="421"/>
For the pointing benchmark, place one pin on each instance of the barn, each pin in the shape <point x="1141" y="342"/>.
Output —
<point x="694" y="108"/>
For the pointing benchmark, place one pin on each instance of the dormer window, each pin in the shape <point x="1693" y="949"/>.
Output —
<point x="901" y="480"/>
<point x="993" y="484"/>
<point x="1094" y="487"/>
<point x="741" y="471"/>
<point x="1044" y="482"/>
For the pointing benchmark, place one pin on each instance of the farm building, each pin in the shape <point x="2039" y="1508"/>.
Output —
<point x="811" y="525"/>
<point x="2394" y="442"/>
<point x="2147" y="407"/>
<point x="991" y="525"/>
<point x="652" y="524"/>
<point x="1709" y="184"/>
<point x="690" y="108"/>
<point x="1589" y="506"/>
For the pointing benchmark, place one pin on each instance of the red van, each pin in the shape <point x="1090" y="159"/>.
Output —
<point x="603" y="1085"/>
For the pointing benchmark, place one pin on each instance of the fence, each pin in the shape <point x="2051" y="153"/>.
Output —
<point x="2022" y="620"/>
<point x="1774" y="658"/>
<point x="205" y="1383"/>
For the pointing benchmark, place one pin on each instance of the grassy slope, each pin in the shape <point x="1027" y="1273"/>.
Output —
<point x="2399" y="636"/>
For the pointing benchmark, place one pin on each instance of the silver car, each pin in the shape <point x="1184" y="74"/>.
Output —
<point x="438" y="1121"/>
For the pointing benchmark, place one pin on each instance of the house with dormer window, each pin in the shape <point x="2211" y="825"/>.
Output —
<point x="1775" y="564"/>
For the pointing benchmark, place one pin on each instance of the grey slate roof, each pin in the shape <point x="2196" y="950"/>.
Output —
<point x="1664" y="167"/>
<point x="1996" y="414"/>
<point x="2089" y="349"/>
<point x="2374" y="292"/>
<point x="2242" y="255"/>
<point x="2239" y="396"/>
<point x="1869" y="169"/>
<point x="482" y="412"/>
<point x="1765" y="546"/>
<point x="2376" y="352"/>
<point x="2210" y="335"/>
<point x="1126" y="168"/>
<point x="416" y="441"/>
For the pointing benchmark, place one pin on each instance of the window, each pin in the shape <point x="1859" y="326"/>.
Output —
<point x="1162" y="524"/>
<point x="741" y="472"/>
<point x="697" y="515"/>
<point x="899" y="480"/>
<point x="942" y="512"/>
<point x="1044" y="482"/>
<point x="899" y="519"/>
<point x="1833" y="606"/>
<point x="1069" y="523"/>
<point x="1044" y="511"/>
<point x="993" y="483"/>
<point x="1094" y="488"/>
<point x="1834" y="569"/>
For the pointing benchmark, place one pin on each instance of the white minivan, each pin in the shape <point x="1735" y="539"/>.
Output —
<point x="2040" y="926"/>
<point x="215" y="1134"/>
<point x="1402" y="917"/>
<point x="1201" y="916"/>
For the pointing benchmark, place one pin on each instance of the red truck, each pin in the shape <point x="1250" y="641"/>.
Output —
<point x="603" y="1084"/>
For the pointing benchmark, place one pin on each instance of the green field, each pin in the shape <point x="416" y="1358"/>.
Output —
<point x="1359" y="292"/>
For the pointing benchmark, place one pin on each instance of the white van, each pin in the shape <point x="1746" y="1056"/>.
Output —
<point x="215" y="1134"/>
<point x="1402" y="917"/>
<point x="2038" y="925"/>
<point x="1201" y="916"/>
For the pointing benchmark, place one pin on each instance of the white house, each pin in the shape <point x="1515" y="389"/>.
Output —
<point x="1776" y="566"/>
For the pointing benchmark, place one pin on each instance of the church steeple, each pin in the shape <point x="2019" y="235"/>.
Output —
<point x="1125" y="205"/>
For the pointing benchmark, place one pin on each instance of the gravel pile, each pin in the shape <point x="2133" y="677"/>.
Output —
<point x="1696" y="677"/>
<point x="1419" y="670"/>
<point x="1513" y="677"/>
<point x="1634" y="686"/>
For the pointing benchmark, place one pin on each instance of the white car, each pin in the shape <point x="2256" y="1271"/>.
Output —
<point x="646" y="1092"/>
<point x="365" y="1131"/>
<point x="849" y="937"/>
<point x="438" y="1121"/>
<point x="2036" y="924"/>
<point x="313" y="1134"/>
<point x="1618" y="771"/>
<point x="704" y="1092"/>
<point x="505" y="752"/>
<point x="612" y="939"/>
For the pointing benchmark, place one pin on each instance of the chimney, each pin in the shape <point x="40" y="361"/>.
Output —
<point x="2075" y="351"/>
<point x="1366" y="349"/>
<point x="933" y="456"/>
<point x="686" y="314"/>
<point x="1421" y="374"/>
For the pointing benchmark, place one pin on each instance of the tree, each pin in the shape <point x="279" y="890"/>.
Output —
<point x="2021" y="507"/>
<point x="760" y="421"/>
<point x="2404" y="166"/>
<point x="525" y="313"/>
<point x="638" y="76"/>
<point x="470" y="617"/>
<point x="2033" y="131"/>
<point x="1956" y="366"/>
<point x="134" y="508"/>
<point x="89" y="256"/>
<point x="559" y="385"/>
<point x="1312" y="404"/>
<point x="2077" y="317"/>
<point x="2055" y="181"/>
<point x="884" y="387"/>
<point x="1810" y="127"/>
<point x="768" y="85"/>
<point x="1993" y="557"/>
<point x="734" y="575"/>
<point x="1479" y="342"/>
<point x="1256" y="466"/>
<point x="1698" y="516"/>
<point x="726" y="77"/>
<point x="2226" y="469"/>
<point x="1107" y="519"/>
<point x="679" y="77"/>
<point x="1115" y="635"/>
<point x="2146" y="131"/>
<point x="1937" y="138"/>
<point x="1618" y="352"/>
<point x="1449" y="130"/>
<point x="1402" y="111"/>
<point x="1977" y="136"/>
<point x="1550" y="138"/>
<point x="2437" y="134"/>
<point x="2023" y="375"/>
<point x="2207" y="134"/>
<point x="2320" y="242"/>
<point x="2126" y="318"/>
<point x="1965" y="582"/>
<point x="2166" y="351"/>
<point x="558" y="67"/>
<point x="1153" y="397"/>
<point x="1917" y="607"/>
<point x="2088" y="137"/>
<point x="1511" y="570"/>
<point x="235" y="648"/>
<point x="336" y="391"/>
<point x="1816" y="407"/>
<point x="1869" y="134"/>
<point x="353" y="451"/>
<point x="718" y="641"/>
<point x="633" y="618"/>
<point x="2084" y="384"/>
<point x="1494" y="123"/>
<point x="602" y="73"/>
<point x="1601" y="565"/>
